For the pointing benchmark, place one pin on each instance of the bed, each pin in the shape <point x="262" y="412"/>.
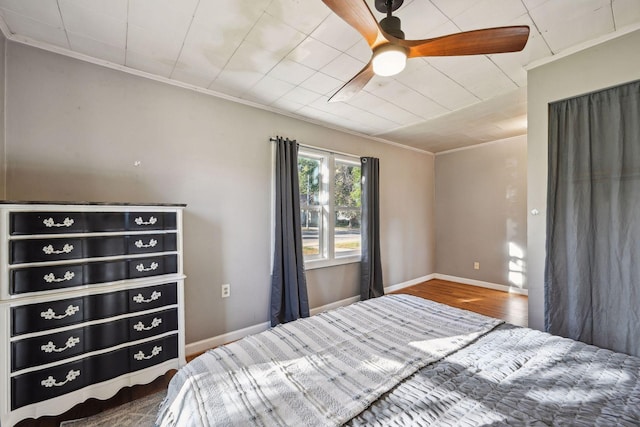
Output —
<point x="403" y="360"/>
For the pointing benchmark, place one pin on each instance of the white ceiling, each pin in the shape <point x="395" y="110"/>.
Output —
<point x="291" y="56"/>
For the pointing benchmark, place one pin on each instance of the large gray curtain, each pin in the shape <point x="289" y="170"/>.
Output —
<point x="592" y="272"/>
<point x="371" y="285"/>
<point x="289" y="299"/>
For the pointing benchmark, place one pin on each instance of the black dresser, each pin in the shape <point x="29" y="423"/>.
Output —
<point x="91" y="300"/>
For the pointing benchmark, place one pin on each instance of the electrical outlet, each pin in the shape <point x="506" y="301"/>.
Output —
<point x="226" y="290"/>
<point x="476" y="265"/>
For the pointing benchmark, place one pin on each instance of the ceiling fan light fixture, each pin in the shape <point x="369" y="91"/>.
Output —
<point x="389" y="60"/>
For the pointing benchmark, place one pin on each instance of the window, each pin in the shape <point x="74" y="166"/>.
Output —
<point x="329" y="207"/>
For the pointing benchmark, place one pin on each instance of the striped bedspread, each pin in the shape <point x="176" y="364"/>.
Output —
<point x="319" y="371"/>
<point x="516" y="376"/>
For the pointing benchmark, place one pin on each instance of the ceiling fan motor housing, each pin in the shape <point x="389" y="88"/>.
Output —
<point x="391" y="25"/>
<point x="388" y="6"/>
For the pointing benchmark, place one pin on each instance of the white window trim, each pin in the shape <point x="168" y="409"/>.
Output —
<point x="328" y="258"/>
<point x="324" y="263"/>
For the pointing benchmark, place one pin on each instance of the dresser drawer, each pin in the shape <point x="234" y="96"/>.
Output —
<point x="46" y="349"/>
<point x="141" y="356"/>
<point x="147" y="243"/>
<point x="55" y="314"/>
<point x="21" y="251"/>
<point x="153" y="266"/>
<point x="33" y="279"/>
<point x="136" y="221"/>
<point x="24" y="223"/>
<point x="48" y="383"/>
<point x="46" y="222"/>
<point x="41" y="350"/>
<point x="60" y="249"/>
<point x="148" y="325"/>
<point x="48" y="315"/>
<point x="46" y="278"/>
<point x="152" y="297"/>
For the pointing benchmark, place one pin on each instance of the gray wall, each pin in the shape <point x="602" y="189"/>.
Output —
<point x="481" y="212"/>
<point x="608" y="64"/>
<point x="74" y="131"/>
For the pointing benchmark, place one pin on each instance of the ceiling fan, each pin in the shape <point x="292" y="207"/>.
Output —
<point x="391" y="50"/>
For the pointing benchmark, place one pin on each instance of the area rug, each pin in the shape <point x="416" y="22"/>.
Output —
<point x="139" y="413"/>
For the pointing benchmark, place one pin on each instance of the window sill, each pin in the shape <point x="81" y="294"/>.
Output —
<point x="324" y="263"/>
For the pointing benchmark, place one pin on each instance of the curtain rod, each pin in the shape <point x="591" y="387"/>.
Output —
<point x="272" y="139"/>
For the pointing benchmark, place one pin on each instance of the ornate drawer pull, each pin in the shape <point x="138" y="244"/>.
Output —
<point x="50" y="382"/>
<point x="140" y="221"/>
<point x="50" y="278"/>
<point x="66" y="249"/>
<point x="140" y="355"/>
<point x="154" y="324"/>
<point x="141" y="268"/>
<point x="152" y="243"/>
<point x="51" y="347"/>
<point x="50" y="314"/>
<point x="49" y="222"/>
<point x="154" y="296"/>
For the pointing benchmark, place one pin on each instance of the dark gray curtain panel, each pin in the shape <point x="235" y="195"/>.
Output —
<point x="592" y="271"/>
<point x="289" y="300"/>
<point x="371" y="285"/>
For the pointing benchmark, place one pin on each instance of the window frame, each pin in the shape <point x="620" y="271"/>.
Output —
<point x="327" y="256"/>
<point x="323" y="190"/>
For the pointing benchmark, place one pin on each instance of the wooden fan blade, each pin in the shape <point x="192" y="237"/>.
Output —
<point x="357" y="14"/>
<point x="478" y="42"/>
<point x="354" y="85"/>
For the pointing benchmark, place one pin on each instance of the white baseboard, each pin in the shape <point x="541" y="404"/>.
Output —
<point x="481" y="284"/>
<point x="408" y="283"/>
<point x="206" y="344"/>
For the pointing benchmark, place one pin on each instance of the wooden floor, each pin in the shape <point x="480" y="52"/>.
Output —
<point x="502" y="305"/>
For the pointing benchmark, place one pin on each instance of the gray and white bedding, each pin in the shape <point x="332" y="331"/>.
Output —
<point x="403" y="360"/>
<point x="516" y="376"/>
